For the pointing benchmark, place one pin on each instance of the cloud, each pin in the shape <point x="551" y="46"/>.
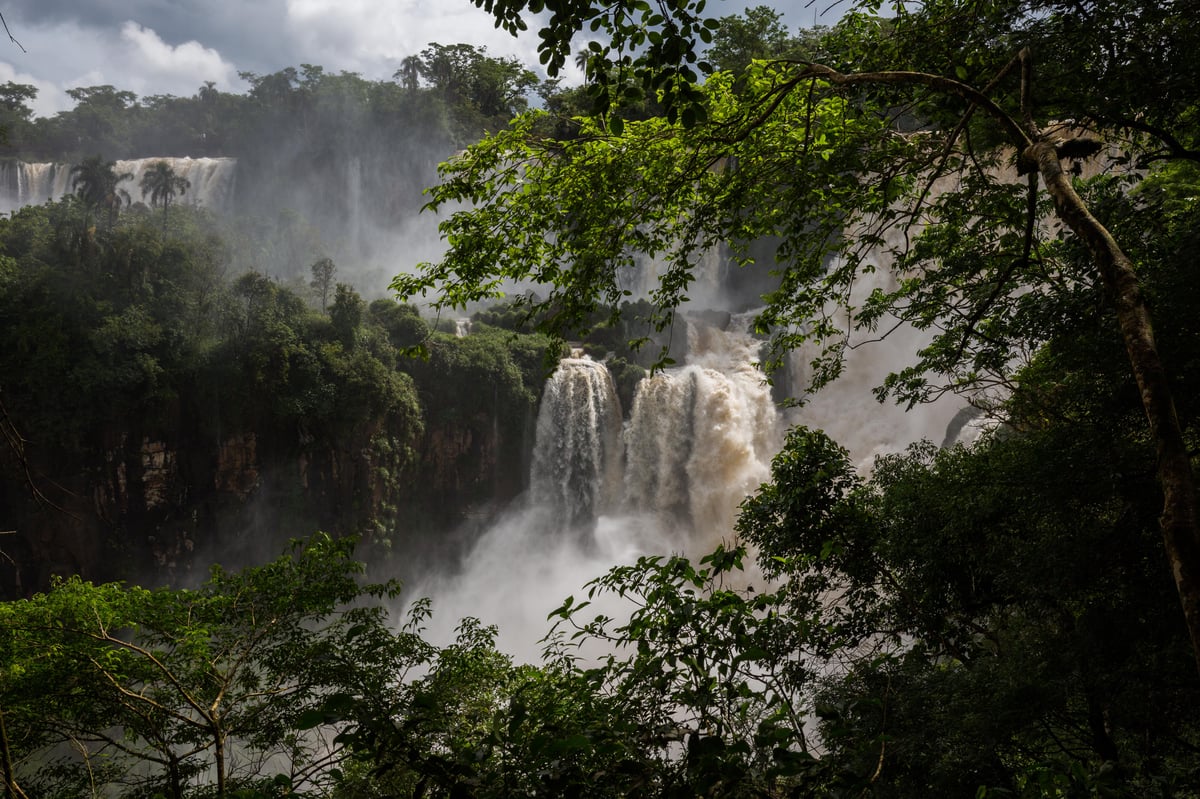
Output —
<point x="371" y="37"/>
<point x="133" y="57"/>
<point x="50" y="99"/>
<point x="189" y="64"/>
<point x="174" y="46"/>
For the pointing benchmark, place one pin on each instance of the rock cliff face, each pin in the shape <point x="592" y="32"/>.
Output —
<point x="160" y="506"/>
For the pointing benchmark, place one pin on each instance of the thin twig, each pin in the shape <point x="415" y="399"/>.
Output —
<point x="11" y="38"/>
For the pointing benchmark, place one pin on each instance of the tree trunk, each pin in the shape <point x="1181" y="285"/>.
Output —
<point x="11" y="789"/>
<point x="1181" y="537"/>
<point x="219" y="759"/>
<point x="176" y="776"/>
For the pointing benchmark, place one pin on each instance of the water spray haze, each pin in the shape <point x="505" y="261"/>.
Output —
<point x="699" y="439"/>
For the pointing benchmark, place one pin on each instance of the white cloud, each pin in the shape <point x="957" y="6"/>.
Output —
<point x="50" y="99"/>
<point x="135" y="58"/>
<point x="156" y="47"/>
<point x="189" y="64"/>
<point x="371" y="37"/>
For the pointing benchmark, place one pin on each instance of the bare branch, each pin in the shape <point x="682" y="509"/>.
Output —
<point x="11" y="38"/>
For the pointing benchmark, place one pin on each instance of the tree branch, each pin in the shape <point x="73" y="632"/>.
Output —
<point x="937" y="82"/>
<point x="11" y="38"/>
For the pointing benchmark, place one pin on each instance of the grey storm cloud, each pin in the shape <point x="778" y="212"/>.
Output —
<point x="246" y="32"/>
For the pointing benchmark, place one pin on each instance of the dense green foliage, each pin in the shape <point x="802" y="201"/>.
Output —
<point x="1007" y="615"/>
<point x="124" y="340"/>
<point x="991" y="620"/>
<point x="122" y="688"/>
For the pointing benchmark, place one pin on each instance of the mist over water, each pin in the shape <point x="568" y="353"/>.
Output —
<point x="280" y="226"/>
<point x="698" y="440"/>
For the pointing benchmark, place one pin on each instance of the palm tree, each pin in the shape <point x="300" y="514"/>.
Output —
<point x="162" y="183"/>
<point x="98" y="184"/>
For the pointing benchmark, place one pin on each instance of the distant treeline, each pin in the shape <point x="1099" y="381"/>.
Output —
<point x="348" y="155"/>
<point x="458" y="91"/>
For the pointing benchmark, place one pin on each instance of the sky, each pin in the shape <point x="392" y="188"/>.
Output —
<point x="173" y="47"/>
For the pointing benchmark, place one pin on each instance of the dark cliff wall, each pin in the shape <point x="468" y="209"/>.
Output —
<point x="159" y="505"/>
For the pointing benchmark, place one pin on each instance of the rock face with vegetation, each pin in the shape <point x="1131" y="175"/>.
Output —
<point x="161" y="415"/>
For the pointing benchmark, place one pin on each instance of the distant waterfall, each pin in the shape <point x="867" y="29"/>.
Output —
<point x="24" y="184"/>
<point x="211" y="179"/>
<point x="577" y="456"/>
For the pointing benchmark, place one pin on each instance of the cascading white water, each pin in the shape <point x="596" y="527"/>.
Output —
<point x="354" y="198"/>
<point x="661" y="426"/>
<point x="211" y="181"/>
<point x="699" y="440"/>
<point x="24" y="184"/>
<point x="701" y="437"/>
<point x="577" y="456"/>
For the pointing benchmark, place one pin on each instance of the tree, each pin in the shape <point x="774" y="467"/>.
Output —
<point x="710" y="679"/>
<point x="481" y="92"/>
<point x="16" y="117"/>
<point x="98" y="184"/>
<point x="14" y="99"/>
<point x="644" y="48"/>
<point x="100" y="119"/>
<point x="323" y="271"/>
<point x="165" y="684"/>
<point x="162" y="184"/>
<point x="814" y="156"/>
<point x="346" y="314"/>
<point x="758" y="34"/>
<point x="1000" y="616"/>
<point x="402" y="324"/>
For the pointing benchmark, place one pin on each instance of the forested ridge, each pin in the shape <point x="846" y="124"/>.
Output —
<point x="1008" y="617"/>
<point x="155" y="406"/>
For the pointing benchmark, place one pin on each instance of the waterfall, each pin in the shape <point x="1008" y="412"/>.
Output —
<point x="661" y="426"/>
<point x="354" y="199"/>
<point x="577" y="454"/>
<point x="701" y="437"/>
<point x="699" y="440"/>
<point x="24" y="184"/>
<point x="211" y="181"/>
